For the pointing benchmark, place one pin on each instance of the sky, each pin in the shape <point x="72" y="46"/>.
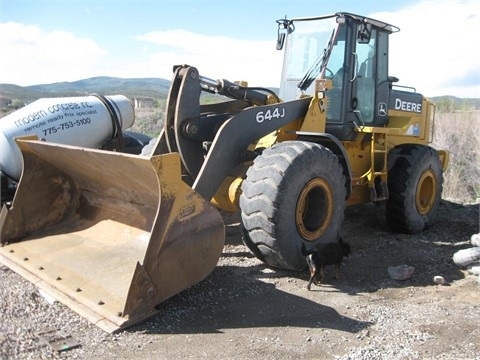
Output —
<point x="437" y="50"/>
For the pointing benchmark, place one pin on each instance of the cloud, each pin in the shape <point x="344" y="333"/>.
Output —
<point x="31" y="55"/>
<point x="436" y="52"/>
<point x="437" y="49"/>
<point x="215" y="56"/>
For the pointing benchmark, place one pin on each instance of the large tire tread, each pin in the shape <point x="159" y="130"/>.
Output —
<point x="406" y="164"/>
<point x="263" y="206"/>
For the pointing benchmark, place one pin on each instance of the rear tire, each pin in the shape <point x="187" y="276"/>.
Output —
<point x="415" y="183"/>
<point x="294" y="192"/>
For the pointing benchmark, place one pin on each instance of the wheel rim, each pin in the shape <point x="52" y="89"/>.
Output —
<point x="426" y="192"/>
<point x="314" y="209"/>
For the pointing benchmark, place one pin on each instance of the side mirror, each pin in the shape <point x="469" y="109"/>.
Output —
<point x="364" y="33"/>
<point x="284" y="27"/>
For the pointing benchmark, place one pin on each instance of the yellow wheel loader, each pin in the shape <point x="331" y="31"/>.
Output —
<point x="112" y="235"/>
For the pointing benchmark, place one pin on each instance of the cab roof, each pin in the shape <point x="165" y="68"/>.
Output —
<point x="377" y="23"/>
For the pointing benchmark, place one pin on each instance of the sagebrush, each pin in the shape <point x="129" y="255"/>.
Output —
<point x="459" y="133"/>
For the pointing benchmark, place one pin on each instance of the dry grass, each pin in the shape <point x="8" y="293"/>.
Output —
<point x="148" y="121"/>
<point x="459" y="134"/>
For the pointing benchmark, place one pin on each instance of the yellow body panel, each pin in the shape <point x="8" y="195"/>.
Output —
<point x="367" y="153"/>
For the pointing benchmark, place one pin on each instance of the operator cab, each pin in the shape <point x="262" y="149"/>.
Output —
<point x="352" y="52"/>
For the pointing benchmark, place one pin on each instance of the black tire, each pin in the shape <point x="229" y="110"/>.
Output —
<point x="294" y="192"/>
<point x="415" y="181"/>
<point x="135" y="142"/>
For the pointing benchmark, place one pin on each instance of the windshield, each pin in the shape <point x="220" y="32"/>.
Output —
<point x="307" y="50"/>
<point x="317" y="66"/>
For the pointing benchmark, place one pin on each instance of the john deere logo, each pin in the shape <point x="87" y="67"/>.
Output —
<point x="382" y="109"/>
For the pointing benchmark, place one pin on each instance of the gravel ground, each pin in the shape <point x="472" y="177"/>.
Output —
<point x="245" y="309"/>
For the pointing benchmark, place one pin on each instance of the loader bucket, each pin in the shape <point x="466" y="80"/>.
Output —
<point x="110" y="235"/>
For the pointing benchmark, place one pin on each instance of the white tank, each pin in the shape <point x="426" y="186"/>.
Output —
<point x="85" y="121"/>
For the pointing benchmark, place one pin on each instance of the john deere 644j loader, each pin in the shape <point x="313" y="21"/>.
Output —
<point x="112" y="235"/>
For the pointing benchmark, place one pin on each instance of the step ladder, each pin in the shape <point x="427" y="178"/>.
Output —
<point x="377" y="176"/>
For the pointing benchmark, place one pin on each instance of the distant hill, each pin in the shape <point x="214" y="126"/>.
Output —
<point x="10" y="92"/>
<point x="148" y="87"/>
<point x="132" y="88"/>
<point x="452" y="103"/>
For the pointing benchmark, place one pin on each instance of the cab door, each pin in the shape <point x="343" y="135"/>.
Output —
<point x="370" y="85"/>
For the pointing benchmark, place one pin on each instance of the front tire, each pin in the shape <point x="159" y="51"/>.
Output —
<point x="294" y="192"/>
<point x="415" y="183"/>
